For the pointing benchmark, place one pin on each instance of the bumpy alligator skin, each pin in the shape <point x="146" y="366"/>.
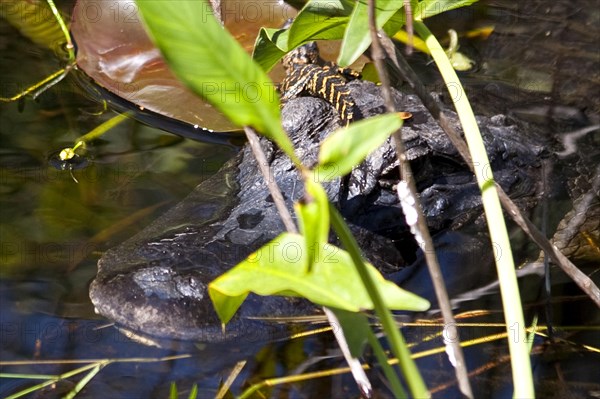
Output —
<point x="156" y="281"/>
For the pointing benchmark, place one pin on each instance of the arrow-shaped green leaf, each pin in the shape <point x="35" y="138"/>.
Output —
<point x="270" y="46"/>
<point x="347" y="147"/>
<point x="278" y="269"/>
<point x="320" y="20"/>
<point x="429" y="8"/>
<point x="357" y="37"/>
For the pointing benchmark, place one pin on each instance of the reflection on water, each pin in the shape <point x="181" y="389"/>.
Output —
<point x="32" y="333"/>
<point x="53" y="230"/>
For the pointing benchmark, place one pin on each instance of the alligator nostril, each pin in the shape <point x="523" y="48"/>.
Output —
<point x="250" y="220"/>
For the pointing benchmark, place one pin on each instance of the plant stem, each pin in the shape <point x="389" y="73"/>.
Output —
<point x="356" y="369"/>
<point x="511" y="299"/>
<point x="419" y="227"/>
<point x="395" y="385"/>
<point x="70" y="47"/>
<point x="358" y="373"/>
<point x="397" y="343"/>
<point x="41" y="85"/>
<point x="583" y="281"/>
<point x="263" y="165"/>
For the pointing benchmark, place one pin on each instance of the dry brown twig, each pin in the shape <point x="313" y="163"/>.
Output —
<point x="421" y="229"/>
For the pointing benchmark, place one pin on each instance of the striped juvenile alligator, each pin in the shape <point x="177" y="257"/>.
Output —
<point x="307" y="73"/>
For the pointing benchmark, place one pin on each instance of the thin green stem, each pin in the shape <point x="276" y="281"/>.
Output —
<point x="84" y="381"/>
<point x="408" y="196"/>
<point x="43" y="84"/>
<point x="388" y="370"/>
<point x="100" y="130"/>
<point x="69" y="152"/>
<point x="63" y="26"/>
<point x="511" y="299"/>
<point x="51" y="381"/>
<point x="397" y="343"/>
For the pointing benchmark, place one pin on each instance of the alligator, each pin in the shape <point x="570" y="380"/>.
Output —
<point x="156" y="282"/>
<point x="307" y="73"/>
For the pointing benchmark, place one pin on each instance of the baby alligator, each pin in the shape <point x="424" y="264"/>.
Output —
<point x="307" y="73"/>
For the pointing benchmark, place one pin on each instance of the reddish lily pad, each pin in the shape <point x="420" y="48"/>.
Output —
<point x="116" y="52"/>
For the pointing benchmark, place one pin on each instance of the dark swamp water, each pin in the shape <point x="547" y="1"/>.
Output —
<point x="53" y="230"/>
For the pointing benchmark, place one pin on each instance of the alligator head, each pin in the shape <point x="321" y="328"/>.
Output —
<point x="156" y="282"/>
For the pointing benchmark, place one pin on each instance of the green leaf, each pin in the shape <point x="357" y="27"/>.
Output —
<point x="429" y="8"/>
<point x="26" y="16"/>
<point x="347" y="147"/>
<point x="209" y="60"/>
<point x="369" y="72"/>
<point x="278" y="269"/>
<point x="320" y="20"/>
<point x="270" y="47"/>
<point x="313" y="217"/>
<point x="356" y="330"/>
<point x="194" y="392"/>
<point x="226" y="304"/>
<point x="357" y="37"/>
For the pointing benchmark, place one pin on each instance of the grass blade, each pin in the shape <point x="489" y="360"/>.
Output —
<point x="511" y="299"/>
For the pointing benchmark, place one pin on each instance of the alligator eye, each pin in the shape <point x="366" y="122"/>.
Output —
<point x="441" y="204"/>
